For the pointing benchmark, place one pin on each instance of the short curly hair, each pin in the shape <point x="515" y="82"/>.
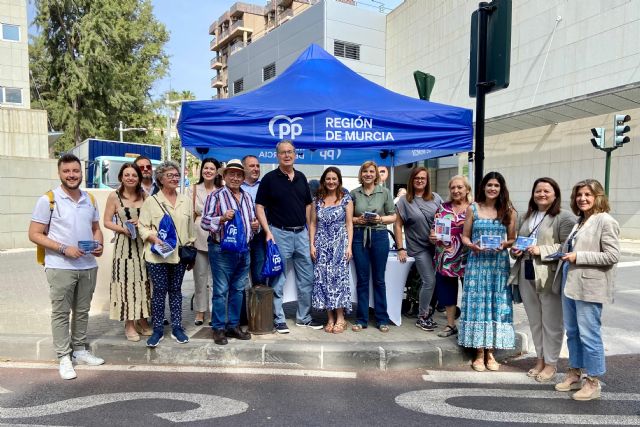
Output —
<point x="163" y="168"/>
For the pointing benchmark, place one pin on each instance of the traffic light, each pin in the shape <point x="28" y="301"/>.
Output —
<point x="598" y="138"/>
<point x="620" y="129"/>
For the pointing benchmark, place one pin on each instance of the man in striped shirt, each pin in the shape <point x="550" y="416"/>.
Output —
<point x="230" y="270"/>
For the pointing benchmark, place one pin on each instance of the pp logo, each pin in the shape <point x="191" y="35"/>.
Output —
<point x="232" y="230"/>
<point x="162" y="234"/>
<point x="276" y="259"/>
<point x="286" y="127"/>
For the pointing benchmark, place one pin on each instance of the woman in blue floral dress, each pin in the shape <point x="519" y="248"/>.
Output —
<point x="330" y="236"/>
<point x="487" y="312"/>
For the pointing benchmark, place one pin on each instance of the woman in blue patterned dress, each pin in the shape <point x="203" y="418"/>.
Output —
<point x="330" y="236"/>
<point x="487" y="314"/>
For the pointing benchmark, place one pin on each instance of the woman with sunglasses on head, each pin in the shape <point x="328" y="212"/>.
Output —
<point x="486" y="323"/>
<point x="130" y="292"/>
<point x="586" y="272"/>
<point x="533" y="273"/>
<point x="415" y="212"/>
<point x="210" y="181"/>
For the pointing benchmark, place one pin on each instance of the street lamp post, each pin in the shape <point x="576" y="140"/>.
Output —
<point x="183" y="157"/>
<point x="123" y="130"/>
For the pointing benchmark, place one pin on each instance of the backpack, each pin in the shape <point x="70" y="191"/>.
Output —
<point x="40" y="252"/>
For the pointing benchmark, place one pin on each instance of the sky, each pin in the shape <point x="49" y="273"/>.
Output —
<point x="188" y="47"/>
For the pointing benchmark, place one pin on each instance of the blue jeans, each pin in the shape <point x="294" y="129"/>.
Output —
<point x="230" y="272"/>
<point x="257" y="250"/>
<point x="371" y="259"/>
<point x="294" y="247"/>
<point x="584" y="338"/>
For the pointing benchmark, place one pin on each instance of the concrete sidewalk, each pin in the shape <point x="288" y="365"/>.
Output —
<point x="25" y="333"/>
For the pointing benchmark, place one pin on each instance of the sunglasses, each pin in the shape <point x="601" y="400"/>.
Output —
<point x="146" y="167"/>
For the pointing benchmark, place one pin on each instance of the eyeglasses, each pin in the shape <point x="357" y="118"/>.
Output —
<point x="173" y="175"/>
<point x="285" y="153"/>
<point x="146" y="167"/>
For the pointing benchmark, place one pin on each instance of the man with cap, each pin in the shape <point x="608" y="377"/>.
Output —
<point x="230" y="269"/>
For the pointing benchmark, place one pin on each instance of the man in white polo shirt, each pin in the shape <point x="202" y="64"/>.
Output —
<point x="71" y="272"/>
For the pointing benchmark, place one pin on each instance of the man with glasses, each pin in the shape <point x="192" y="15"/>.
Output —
<point x="148" y="185"/>
<point x="283" y="208"/>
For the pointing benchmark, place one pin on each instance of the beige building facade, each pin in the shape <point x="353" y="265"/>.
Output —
<point x="238" y="27"/>
<point x="574" y="65"/>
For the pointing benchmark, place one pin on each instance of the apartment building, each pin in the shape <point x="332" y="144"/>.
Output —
<point x="242" y="24"/>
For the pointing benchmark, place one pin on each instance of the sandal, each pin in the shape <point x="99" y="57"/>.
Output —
<point x="339" y="327"/>
<point x="384" y="328"/>
<point x="448" y="331"/>
<point x="478" y="365"/>
<point x="492" y="365"/>
<point x="357" y="327"/>
<point x="329" y="327"/>
<point x="546" y="377"/>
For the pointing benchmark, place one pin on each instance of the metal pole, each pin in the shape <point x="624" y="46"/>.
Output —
<point x="168" y="132"/>
<point x="121" y="131"/>
<point x="607" y="171"/>
<point x="183" y="163"/>
<point x="483" y="16"/>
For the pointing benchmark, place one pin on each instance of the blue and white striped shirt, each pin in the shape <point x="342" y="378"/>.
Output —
<point x="218" y="203"/>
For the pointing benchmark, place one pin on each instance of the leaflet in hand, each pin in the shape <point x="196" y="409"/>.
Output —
<point x="556" y="255"/>
<point x="370" y="216"/>
<point x="443" y="229"/>
<point x="132" y="229"/>
<point x="88" y="245"/>
<point x="490" y="242"/>
<point x="163" y="249"/>
<point x="523" y="242"/>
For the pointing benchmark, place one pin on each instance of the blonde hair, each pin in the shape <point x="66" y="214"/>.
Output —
<point x="366" y="165"/>
<point x="466" y="183"/>
<point x="600" y="204"/>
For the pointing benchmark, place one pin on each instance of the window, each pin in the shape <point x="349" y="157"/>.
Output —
<point x="10" y="32"/>
<point x="238" y="86"/>
<point x="269" y="72"/>
<point x="346" y="50"/>
<point x="10" y="95"/>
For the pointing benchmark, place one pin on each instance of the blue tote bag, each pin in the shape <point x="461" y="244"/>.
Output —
<point x="272" y="261"/>
<point x="234" y="238"/>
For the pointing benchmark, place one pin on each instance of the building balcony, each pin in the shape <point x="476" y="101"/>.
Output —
<point x="218" y="82"/>
<point x="237" y="28"/>
<point x="217" y="63"/>
<point x="238" y="9"/>
<point x="285" y="16"/>
<point x="212" y="43"/>
<point x="212" y="28"/>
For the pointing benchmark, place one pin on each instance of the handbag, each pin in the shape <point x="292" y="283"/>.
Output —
<point x="186" y="253"/>
<point x="273" y="261"/>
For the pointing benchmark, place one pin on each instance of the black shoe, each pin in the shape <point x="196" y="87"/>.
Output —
<point x="165" y="322"/>
<point x="311" y="324"/>
<point x="198" y="322"/>
<point x="219" y="337"/>
<point x="237" y="333"/>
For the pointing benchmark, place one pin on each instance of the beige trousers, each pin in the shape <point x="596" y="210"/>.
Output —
<point x="545" y="320"/>
<point x="202" y="282"/>
<point x="70" y="292"/>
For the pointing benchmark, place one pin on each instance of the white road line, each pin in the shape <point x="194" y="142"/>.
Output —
<point x="4" y="390"/>
<point x="434" y="402"/>
<point x="469" y="377"/>
<point x="192" y="369"/>
<point x="629" y="264"/>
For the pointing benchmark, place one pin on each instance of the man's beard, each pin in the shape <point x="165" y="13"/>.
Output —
<point x="69" y="187"/>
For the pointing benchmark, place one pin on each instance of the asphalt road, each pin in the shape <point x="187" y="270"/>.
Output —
<point x="119" y="396"/>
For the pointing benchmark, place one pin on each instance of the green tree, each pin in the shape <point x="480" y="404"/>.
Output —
<point x="94" y="63"/>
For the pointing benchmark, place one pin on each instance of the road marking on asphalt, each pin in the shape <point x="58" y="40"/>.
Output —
<point x="209" y="406"/>
<point x="192" y="369"/>
<point x="467" y="377"/>
<point x="4" y="390"/>
<point x="434" y="402"/>
<point x="629" y="264"/>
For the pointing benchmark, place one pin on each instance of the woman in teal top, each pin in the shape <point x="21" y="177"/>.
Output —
<point x="373" y="210"/>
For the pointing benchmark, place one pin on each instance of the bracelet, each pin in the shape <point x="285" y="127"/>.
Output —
<point x="401" y="249"/>
<point x="62" y="248"/>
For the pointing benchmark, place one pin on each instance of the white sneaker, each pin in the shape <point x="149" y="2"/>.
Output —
<point x="66" y="369"/>
<point x="85" y="357"/>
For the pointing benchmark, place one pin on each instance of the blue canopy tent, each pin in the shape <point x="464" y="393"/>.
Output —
<point x="333" y="116"/>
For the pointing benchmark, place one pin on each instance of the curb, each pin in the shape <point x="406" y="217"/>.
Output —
<point x="301" y="355"/>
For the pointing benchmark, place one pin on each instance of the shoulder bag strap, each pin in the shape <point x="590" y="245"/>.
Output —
<point x="195" y="190"/>
<point x="52" y="204"/>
